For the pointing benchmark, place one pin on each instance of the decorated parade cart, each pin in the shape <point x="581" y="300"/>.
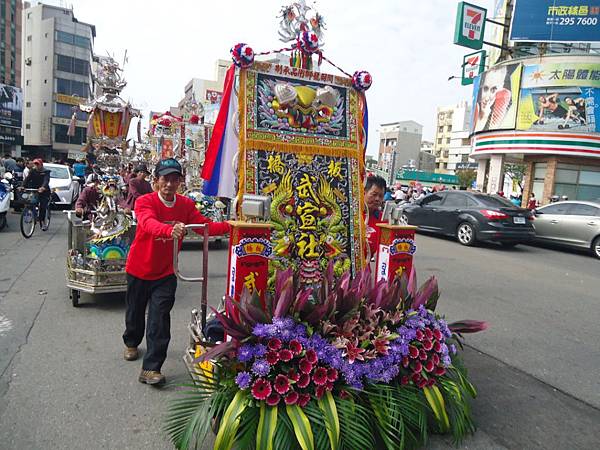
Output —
<point x="98" y="246"/>
<point x="312" y="349"/>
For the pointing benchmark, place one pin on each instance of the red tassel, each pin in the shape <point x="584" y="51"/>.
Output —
<point x="71" y="130"/>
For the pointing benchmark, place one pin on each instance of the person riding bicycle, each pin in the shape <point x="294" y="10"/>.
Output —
<point x="39" y="178"/>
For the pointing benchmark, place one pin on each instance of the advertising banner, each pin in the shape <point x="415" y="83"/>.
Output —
<point x="11" y="106"/>
<point x="495" y="98"/>
<point x="556" y="21"/>
<point x="470" y="25"/>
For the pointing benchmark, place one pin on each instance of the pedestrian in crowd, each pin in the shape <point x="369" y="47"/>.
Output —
<point x="515" y="200"/>
<point x="161" y="217"/>
<point x="87" y="202"/>
<point x="138" y="186"/>
<point x="374" y="192"/>
<point x="10" y="164"/>
<point x="387" y="196"/>
<point x="399" y="195"/>
<point x="532" y="202"/>
<point x="39" y="178"/>
<point x="79" y="168"/>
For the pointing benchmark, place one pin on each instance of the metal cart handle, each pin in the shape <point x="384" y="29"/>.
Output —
<point x="204" y="278"/>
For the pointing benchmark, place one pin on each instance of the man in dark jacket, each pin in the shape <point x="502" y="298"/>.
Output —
<point x="39" y="178"/>
<point x="89" y="197"/>
<point x="138" y="185"/>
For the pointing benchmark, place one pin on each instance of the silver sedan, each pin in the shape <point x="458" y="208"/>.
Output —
<point x="570" y="223"/>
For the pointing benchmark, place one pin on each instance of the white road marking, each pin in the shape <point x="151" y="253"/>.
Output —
<point x="5" y="325"/>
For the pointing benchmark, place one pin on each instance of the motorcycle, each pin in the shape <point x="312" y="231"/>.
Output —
<point x="5" y="197"/>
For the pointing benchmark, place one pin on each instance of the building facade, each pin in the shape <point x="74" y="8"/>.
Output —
<point x="399" y="147"/>
<point x="460" y="140"/>
<point x="443" y="132"/>
<point x="551" y="125"/>
<point x="57" y="77"/>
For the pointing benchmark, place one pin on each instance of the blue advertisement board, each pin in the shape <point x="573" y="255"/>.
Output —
<point x="556" y="21"/>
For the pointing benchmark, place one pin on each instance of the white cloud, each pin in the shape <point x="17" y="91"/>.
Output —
<point x="406" y="45"/>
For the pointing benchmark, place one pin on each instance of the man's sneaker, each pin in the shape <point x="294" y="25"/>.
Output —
<point x="130" y="354"/>
<point x="151" y="377"/>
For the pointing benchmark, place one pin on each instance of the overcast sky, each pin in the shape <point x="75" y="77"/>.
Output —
<point x="406" y="45"/>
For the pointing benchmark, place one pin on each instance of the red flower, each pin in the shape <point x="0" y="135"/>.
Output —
<point x="282" y="384"/>
<point x="305" y="365"/>
<point x="303" y="381"/>
<point x="437" y="346"/>
<point x="272" y="357"/>
<point x="405" y="380"/>
<point x="381" y="346"/>
<point x="320" y="376"/>
<point x="353" y="352"/>
<point x="344" y="394"/>
<point x="303" y="400"/>
<point x="261" y="389"/>
<point x="429" y="366"/>
<point x="274" y="344"/>
<point x="435" y="358"/>
<point x="405" y="361"/>
<point x="415" y="377"/>
<point x="439" y="371"/>
<point x="295" y="347"/>
<point x="273" y="399"/>
<point x="285" y="355"/>
<point x="427" y="344"/>
<point x="421" y="383"/>
<point x="311" y="356"/>
<point x="293" y="375"/>
<point x="428" y="333"/>
<point x="419" y="335"/>
<point x="332" y="375"/>
<point x="437" y="334"/>
<point x="320" y="391"/>
<point x="417" y="367"/>
<point x="430" y="382"/>
<point x="329" y="386"/>
<point x="422" y="355"/>
<point x="413" y="351"/>
<point x="291" y="398"/>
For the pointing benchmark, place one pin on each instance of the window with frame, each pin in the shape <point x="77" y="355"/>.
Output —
<point x="557" y="209"/>
<point x="432" y="200"/>
<point x="455" y="200"/>
<point x="65" y="110"/>
<point x="577" y="182"/>
<point x="581" y="209"/>
<point x="61" y="135"/>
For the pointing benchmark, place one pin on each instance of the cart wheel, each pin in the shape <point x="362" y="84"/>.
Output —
<point x="74" y="297"/>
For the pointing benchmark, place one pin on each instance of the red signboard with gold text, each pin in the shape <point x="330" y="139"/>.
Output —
<point x="396" y="249"/>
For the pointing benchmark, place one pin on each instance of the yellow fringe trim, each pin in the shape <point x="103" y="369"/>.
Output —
<point x="304" y="149"/>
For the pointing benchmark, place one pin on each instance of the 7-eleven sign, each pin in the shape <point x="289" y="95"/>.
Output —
<point x="470" y="25"/>
<point x="473" y="65"/>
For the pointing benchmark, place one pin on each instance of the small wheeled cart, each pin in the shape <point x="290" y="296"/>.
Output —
<point x="95" y="268"/>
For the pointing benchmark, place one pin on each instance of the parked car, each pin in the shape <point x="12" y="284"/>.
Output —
<point x="570" y="223"/>
<point x="64" y="185"/>
<point x="471" y="217"/>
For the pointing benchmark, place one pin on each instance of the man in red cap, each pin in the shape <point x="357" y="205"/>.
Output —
<point x="39" y="178"/>
<point x="161" y="217"/>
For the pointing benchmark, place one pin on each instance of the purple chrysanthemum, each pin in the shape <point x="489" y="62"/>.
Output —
<point x="261" y="367"/>
<point x="243" y="380"/>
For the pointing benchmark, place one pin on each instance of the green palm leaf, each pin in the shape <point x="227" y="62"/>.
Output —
<point x="302" y="427"/>
<point x="266" y="427"/>
<point x="356" y="426"/>
<point x="230" y="422"/>
<point x="332" y="421"/>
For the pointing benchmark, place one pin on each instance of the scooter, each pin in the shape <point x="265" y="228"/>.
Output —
<point x="5" y="197"/>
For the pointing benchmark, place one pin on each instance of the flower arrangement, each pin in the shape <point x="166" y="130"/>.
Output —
<point x="352" y="365"/>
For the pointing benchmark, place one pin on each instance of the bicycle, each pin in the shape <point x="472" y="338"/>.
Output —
<point x="30" y="213"/>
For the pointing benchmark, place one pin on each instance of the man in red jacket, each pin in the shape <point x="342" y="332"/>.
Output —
<point x="161" y="217"/>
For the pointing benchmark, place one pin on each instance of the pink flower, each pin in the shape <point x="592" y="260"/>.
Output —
<point x="320" y="376"/>
<point x="273" y="399"/>
<point x="437" y="346"/>
<point x="419" y="335"/>
<point x="332" y="375"/>
<point x="282" y="384"/>
<point x="413" y="351"/>
<point x="295" y="347"/>
<point x="405" y="380"/>
<point x="311" y="356"/>
<point x="272" y="357"/>
<point x="303" y="381"/>
<point x="429" y="366"/>
<point x="305" y="365"/>
<point x="422" y="355"/>
<point x="382" y="346"/>
<point x="274" y="344"/>
<point x="329" y="386"/>
<point x="261" y="389"/>
<point x="303" y="400"/>
<point x="353" y="352"/>
<point x="320" y="391"/>
<point x="439" y="371"/>
<point x="293" y="375"/>
<point x="417" y="367"/>
<point x="437" y="334"/>
<point x="285" y="355"/>
<point x="291" y="398"/>
<point x="428" y="333"/>
<point x="427" y="344"/>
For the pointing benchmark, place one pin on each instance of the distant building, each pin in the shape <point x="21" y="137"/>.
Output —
<point x="426" y="161"/>
<point x="443" y="132"/>
<point x="460" y="141"/>
<point x="399" y="147"/>
<point x="57" y="76"/>
<point x="10" y="49"/>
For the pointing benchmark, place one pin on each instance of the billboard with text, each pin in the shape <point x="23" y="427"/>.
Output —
<point x="11" y="106"/>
